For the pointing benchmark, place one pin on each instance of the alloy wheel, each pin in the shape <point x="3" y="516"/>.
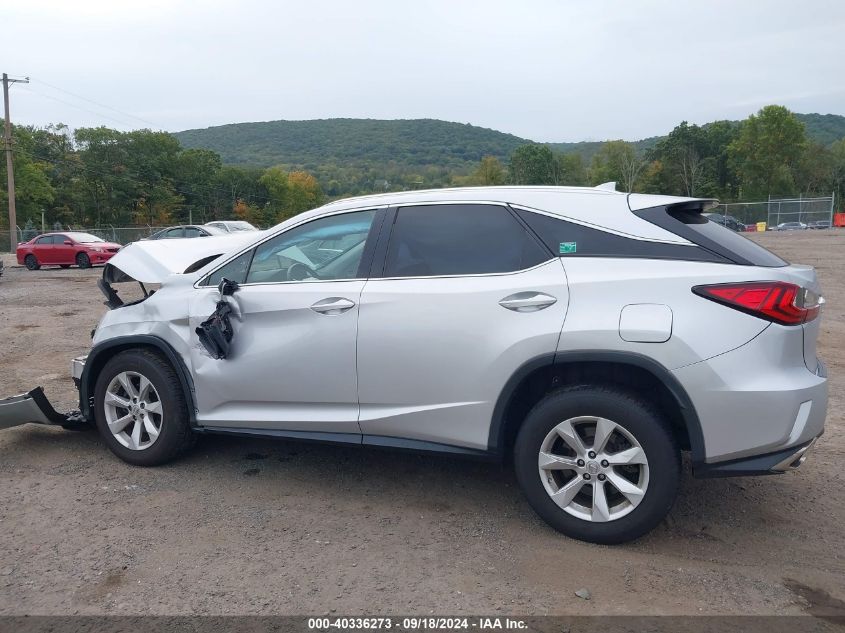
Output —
<point x="133" y="410"/>
<point x="593" y="468"/>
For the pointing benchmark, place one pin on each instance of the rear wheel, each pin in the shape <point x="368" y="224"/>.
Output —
<point x="598" y="464"/>
<point x="31" y="263"/>
<point x="83" y="261"/>
<point x="140" y="409"/>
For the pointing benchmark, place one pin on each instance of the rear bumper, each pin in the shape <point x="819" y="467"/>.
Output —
<point x="758" y="404"/>
<point x="770" y="464"/>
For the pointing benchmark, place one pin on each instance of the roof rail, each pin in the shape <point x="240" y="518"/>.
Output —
<point x="606" y="186"/>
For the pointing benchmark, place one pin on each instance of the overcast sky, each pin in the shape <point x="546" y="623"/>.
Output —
<point x="564" y="70"/>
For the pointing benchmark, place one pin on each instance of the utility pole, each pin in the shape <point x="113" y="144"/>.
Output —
<point x="10" y="173"/>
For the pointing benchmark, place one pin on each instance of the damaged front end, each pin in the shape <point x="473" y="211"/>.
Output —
<point x="33" y="407"/>
<point x="215" y="333"/>
<point x="151" y="265"/>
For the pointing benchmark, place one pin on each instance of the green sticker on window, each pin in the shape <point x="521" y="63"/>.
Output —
<point x="568" y="247"/>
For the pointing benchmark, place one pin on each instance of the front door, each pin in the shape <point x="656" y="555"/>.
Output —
<point x="63" y="253"/>
<point x="292" y="360"/>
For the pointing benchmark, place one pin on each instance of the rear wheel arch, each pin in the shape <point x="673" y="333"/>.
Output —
<point x="627" y="370"/>
<point x="102" y="353"/>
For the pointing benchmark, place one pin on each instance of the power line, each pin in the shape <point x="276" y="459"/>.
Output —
<point x="79" y="107"/>
<point x="102" y="105"/>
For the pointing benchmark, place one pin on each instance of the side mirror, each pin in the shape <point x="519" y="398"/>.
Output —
<point x="227" y="288"/>
<point x="68" y="242"/>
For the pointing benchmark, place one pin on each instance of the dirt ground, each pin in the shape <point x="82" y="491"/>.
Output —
<point x="249" y="526"/>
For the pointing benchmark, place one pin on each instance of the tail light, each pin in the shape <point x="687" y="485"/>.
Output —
<point x="777" y="301"/>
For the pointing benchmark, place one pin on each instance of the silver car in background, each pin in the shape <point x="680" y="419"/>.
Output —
<point x="586" y="336"/>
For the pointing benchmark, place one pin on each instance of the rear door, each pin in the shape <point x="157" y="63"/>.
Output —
<point x="466" y="295"/>
<point x="44" y="250"/>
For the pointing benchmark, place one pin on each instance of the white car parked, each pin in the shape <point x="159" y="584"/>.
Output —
<point x="587" y="335"/>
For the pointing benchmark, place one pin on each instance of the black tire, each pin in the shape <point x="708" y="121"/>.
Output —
<point x="63" y="266"/>
<point x="31" y="263"/>
<point x="175" y="435"/>
<point x="639" y="419"/>
<point x="83" y="261"/>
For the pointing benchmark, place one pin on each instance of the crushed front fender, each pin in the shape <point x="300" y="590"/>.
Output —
<point x="34" y="407"/>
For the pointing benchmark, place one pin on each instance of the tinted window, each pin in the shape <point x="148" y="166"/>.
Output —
<point x="235" y="270"/>
<point x="329" y="248"/>
<point x="192" y="231"/>
<point x="173" y="233"/>
<point x="690" y="223"/>
<point x="459" y="240"/>
<point x="568" y="239"/>
<point x="44" y="241"/>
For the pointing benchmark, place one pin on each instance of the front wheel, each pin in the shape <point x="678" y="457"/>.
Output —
<point x="83" y="261"/>
<point x="598" y="464"/>
<point x="140" y="409"/>
<point x="31" y="263"/>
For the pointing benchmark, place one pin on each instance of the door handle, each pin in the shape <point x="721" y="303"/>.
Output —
<point x="333" y="306"/>
<point x="527" y="301"/>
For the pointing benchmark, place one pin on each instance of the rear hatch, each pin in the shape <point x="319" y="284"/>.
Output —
<point x="686" y="220"/>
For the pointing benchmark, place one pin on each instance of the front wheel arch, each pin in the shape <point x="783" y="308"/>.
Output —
<point x="101" y="353"/>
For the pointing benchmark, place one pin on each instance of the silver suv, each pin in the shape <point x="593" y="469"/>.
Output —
<point x="586" y="335"/>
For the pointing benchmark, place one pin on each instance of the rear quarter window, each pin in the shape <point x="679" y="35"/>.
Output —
<point x="691" y="224"/>
<point x="568" y="239"/>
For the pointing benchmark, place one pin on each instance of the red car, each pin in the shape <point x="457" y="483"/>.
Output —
<point x="65" y="249"/>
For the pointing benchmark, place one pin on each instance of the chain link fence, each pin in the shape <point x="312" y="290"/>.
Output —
<point x="121" y="235"/>
<point x="798" y="213"/>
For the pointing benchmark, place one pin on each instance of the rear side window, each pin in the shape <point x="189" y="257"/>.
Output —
<point x="691" y="224"/>
<point x="459" y="239"/>
<point x="568" y="239"/>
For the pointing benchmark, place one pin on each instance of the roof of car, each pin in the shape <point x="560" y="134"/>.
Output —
<point x="600" y="206"/>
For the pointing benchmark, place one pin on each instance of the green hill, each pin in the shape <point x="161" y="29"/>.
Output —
<point x="411" y="143"/>
<point x="406" y="144"/>
<point x="824" y="128"/>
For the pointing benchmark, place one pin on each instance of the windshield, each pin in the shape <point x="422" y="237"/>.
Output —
<point x="84" y="238"/>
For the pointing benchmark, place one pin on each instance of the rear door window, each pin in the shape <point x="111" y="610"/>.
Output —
<point x="459" y="239"/>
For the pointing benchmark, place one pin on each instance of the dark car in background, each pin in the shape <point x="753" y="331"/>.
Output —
<point x="819" y="224"/>
<point x="728" y="221"/>
<point x="65" y="250"/>
<point x="186" y="231"/>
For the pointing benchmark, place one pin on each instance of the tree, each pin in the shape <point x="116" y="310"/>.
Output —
<point x="195" y="175"/>
<point x="304" y="193"/>
<point x="617" y="161"/>
<point x="489" y="172"/>
<point x="276" y="181"/>
<point x="533" y="165"/>
<point x="570" y="170"/>
<point x="767" y="152"/>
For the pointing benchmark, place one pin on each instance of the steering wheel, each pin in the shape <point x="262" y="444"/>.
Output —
<point x="298" y="271"/>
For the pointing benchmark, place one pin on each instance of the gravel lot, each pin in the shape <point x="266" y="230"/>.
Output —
<point x="271" y="527"/>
